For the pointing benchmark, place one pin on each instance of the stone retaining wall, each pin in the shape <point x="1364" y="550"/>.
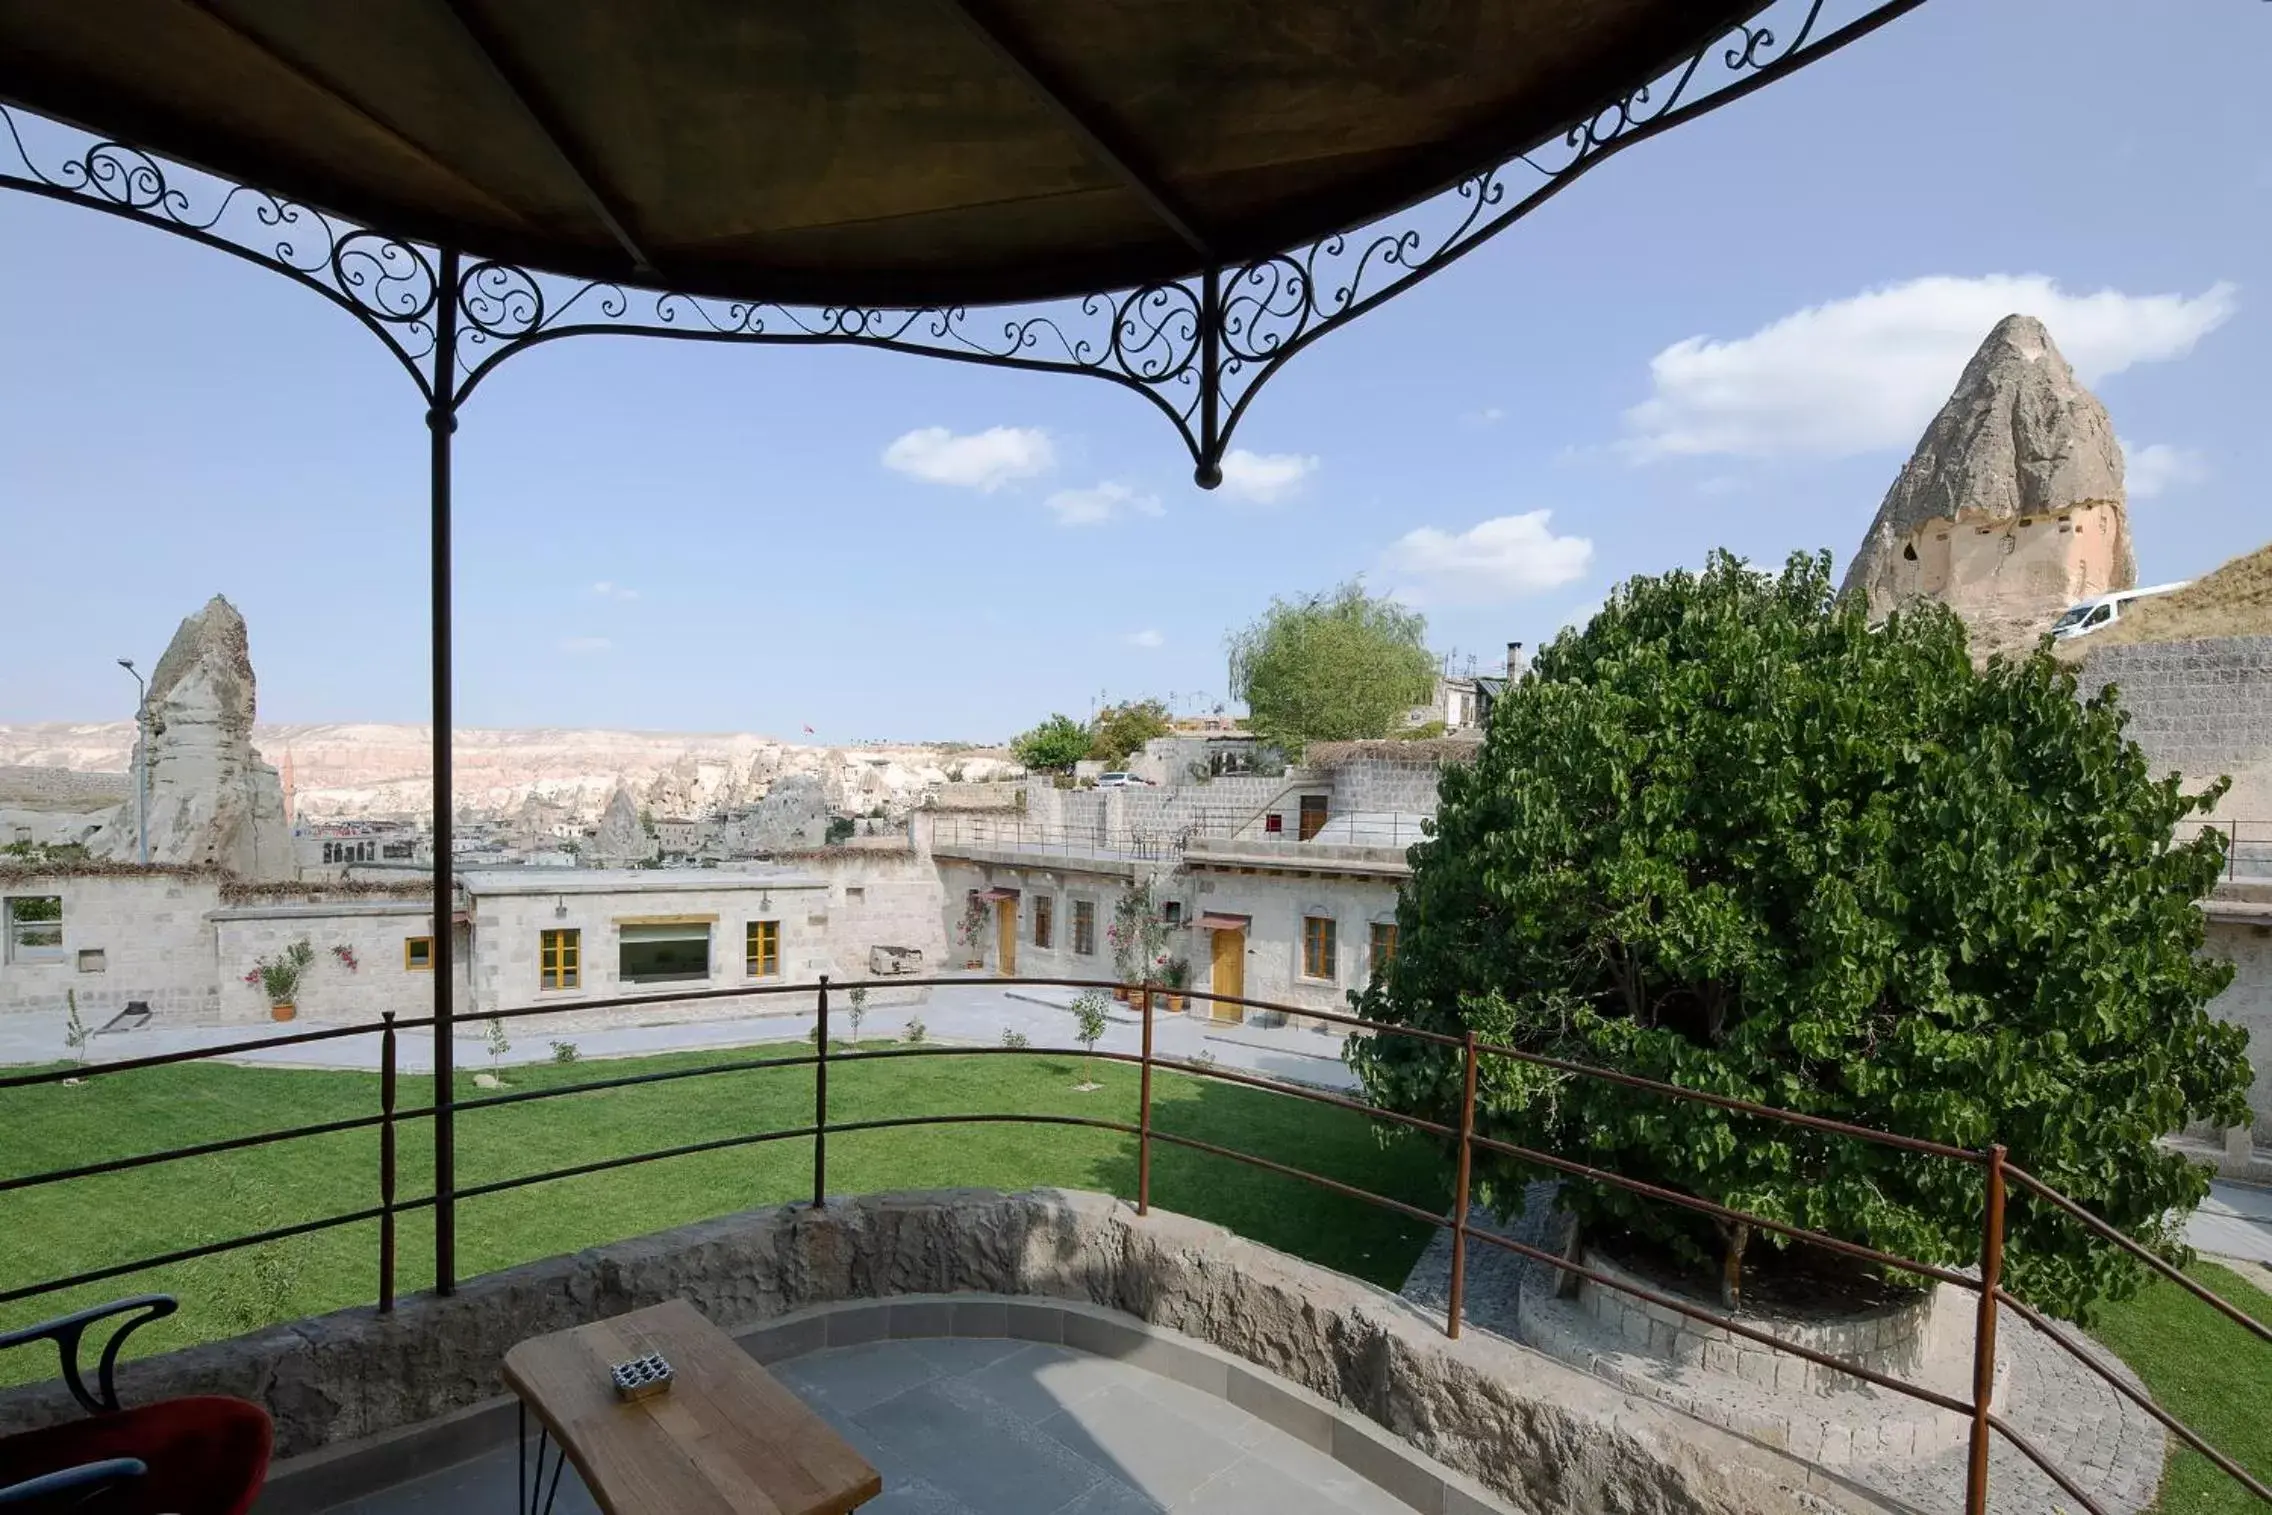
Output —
<point x="1544" y="1435"/>
<point x="2203" y="708"/>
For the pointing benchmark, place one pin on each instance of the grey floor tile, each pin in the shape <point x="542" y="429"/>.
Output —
<point x="914" y="1496"/>
<point x="953" y="1356"/>
<point x="1252" y="1486"/>
<point x="1143" y="1443"/>
<point x="978" y="1452"/>
<point x="485" y="1483"/>
<point x="1037" y="1382"/>
<point x="850" y="1379"/>
<point x="1112" y="1497"/>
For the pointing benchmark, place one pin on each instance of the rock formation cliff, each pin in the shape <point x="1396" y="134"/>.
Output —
<point x="2011" y="508"/>
<point x="211" y="799"/>
<point x="621" y="840"/>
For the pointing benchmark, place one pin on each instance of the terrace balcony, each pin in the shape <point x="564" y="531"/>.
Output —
<point x="1196" y="1323"/>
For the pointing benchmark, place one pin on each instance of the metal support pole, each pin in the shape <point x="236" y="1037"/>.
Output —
<point x="1144" y="1116"/>
<point x="820" y="1102"/>
<point x="441" y="422"/>
<point x="1210" y="470"/>
<point x="1459" y="1188"/>
<point x="386" y="1165"/>
<point x="1984" y="1335"/>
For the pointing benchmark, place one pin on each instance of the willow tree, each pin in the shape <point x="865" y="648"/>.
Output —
<point x="1331" y="667"/>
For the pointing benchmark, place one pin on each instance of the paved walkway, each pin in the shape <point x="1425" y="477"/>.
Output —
<point x="971" y="1014"/>
<point x="997" y="1427"/>
<point x="2234" y="1221"/>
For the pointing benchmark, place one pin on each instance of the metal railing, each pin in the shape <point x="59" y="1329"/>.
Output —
<point x="1137" y="841"/>
<point x="2248" y="845"/>
<point x="1998" y="1177"/>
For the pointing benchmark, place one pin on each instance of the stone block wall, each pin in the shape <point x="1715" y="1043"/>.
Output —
<point x="1277" y="904"/>
<point x="375" y="933"/>
<point x="126" y="937"/>
<point x="1383" y="785"/>
<point x="2247" y="1002"/>
<point x="2203" y="708"/>
<point x="879" y="898"/>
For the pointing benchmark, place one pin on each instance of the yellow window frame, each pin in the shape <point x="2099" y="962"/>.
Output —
<point x="415" y="961"/>
<point x="761" y="949"/>
<point x="1317" y="946"/>
<point x="1383" y="946"/>
<point x="560" y="958"/>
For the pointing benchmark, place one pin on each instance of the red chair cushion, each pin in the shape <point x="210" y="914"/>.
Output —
<point x="206" y="1455"/>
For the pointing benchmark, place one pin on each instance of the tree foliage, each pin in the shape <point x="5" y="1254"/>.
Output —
<point x="1333" y="667"/>
<point x="1119" y="730"/>
<point x="1732" y="836"/>
<point x="1054" y="746"/>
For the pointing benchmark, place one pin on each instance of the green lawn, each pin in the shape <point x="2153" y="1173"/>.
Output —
<point x="65" y="1228"/>
<point x="2210" y="1374"/>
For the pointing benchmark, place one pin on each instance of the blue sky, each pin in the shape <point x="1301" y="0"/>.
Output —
<point x="793" y="537"/>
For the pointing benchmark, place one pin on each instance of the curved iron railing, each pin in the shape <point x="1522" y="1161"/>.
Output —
<point x="1997" y="1175"/>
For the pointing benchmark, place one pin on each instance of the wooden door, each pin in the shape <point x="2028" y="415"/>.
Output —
<point x="1005" y="938"/>
<point x="1229" y="974"/>
<point x="1313" y="815"/>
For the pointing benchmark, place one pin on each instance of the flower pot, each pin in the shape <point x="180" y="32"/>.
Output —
<point x="1175" y="1003"/>
<point x="1121" y="994"/>
<point x="283" y="1012"/>
<point x="973" y="964"/>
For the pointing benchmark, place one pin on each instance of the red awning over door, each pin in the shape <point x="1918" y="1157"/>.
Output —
<point x="999" y="894"/>
<point x="1213" y="922"/>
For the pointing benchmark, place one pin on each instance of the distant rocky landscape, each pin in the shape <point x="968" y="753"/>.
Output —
<point x="358" y="771"/>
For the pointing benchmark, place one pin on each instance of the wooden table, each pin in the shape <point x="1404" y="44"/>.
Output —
<point x="726" y="1439"/>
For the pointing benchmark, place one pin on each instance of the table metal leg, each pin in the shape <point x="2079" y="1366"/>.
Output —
<point x="527" y="1489"/>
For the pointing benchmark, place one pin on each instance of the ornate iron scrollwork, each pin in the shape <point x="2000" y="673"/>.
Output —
<point x="1199" y="349"/>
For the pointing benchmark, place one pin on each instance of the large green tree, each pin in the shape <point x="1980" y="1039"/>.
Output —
<point x="1732" y="836"/>
<point x="1331" y="667"/>
<point x="1054" y="746"/>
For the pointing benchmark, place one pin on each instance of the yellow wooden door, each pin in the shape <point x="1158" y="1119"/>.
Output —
<point x="1005" y="938"/>
<point x="1229" y="975"/>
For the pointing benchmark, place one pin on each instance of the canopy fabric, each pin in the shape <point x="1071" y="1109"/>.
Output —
<point x="1214" y="922"/>
<point x="999" y="894"/>
<point x="883" y="152"/>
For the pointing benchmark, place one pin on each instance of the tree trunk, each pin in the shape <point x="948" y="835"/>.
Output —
<point x="1731" y="1265"/>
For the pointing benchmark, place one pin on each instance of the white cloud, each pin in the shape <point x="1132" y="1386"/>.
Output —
<point x="2158" y="467"/>
<point x="1093" y="507"/>
<point x="1868" y="372"/>
<point x="984" y="460"/>
<point x="608" y="590"/>
<point x="1493" y="561"/>
<point x="1489" y="415"/>
<point x="1145" y="638"/>
<point x="1264" y="477"/>
<point x="585" y="644"/>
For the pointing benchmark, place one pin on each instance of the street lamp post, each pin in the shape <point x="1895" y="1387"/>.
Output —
<point x="141" y="763"/>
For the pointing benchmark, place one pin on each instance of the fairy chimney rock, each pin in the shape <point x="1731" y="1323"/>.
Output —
<point x="2011" y="508"/>
<point x="621" y="839"/>
<point x="212" y="801"/>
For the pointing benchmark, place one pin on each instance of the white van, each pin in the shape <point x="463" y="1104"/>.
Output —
<point x="2103" y="610"/>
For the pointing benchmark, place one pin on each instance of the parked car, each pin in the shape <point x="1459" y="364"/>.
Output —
<point x="2103" y="610"/>
<point x="1118" y="780"/>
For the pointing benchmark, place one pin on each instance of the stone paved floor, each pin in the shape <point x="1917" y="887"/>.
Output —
<point x="976" y="1013"/>
<point x="2108" y="1446"/>
<point x="997" y="1427"/>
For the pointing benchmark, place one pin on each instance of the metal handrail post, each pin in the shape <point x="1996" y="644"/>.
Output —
<point x="1984" y="1335"/>
<point x="1144" y="1117"/>
<point x="820" y="1100"/>
<point x="386" y="1164"/>
<point x="1459" y="1191"/>
<point x="441" y="423"/>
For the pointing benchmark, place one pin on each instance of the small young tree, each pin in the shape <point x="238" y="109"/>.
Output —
<point x="1088" y="1030"/>
<point x="859" y="1013"/>
<point x="75" y="1031"/>
<point x="1015" y="1040"/>
<point x="1054" y="746"/>
<point x="915" y="1033"/>
<point x="1732" y="836"/>
<point x="495" y="1039"/>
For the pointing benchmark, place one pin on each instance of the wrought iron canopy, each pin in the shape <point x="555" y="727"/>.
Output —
<point x="1198" y="342"/>
<point x="864" y="152"/>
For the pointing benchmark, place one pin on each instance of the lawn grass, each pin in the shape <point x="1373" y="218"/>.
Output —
<point x="58" y="1230"/>
<point x="2210" y="1374"/>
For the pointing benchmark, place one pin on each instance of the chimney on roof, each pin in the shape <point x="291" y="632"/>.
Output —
<point x="1517" y="664"/>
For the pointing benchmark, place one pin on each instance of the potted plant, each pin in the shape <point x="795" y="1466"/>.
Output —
<point x="279" y="977"/>
<point x="972" y="932"/>
<point x="1176" y="973"/>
